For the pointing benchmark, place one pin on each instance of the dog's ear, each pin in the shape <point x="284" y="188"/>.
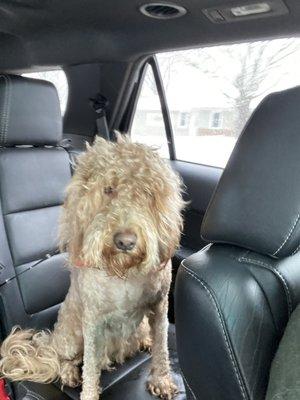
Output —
<point x="169" y="245"/>
<point x="71" y="224"/>
<point x="166" y="253"/>
<point x="79" y="207"/>
<point x="167" y="209"/>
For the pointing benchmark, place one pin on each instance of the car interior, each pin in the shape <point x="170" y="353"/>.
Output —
<point x="215" y="86"/>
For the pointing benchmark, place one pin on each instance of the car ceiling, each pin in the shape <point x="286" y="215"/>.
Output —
<point x="66" y="32"/>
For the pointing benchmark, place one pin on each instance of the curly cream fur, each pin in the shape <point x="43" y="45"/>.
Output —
<point x="117" y="302"/>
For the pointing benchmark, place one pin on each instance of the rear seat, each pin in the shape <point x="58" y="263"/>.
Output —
<point x="34" y="171"/>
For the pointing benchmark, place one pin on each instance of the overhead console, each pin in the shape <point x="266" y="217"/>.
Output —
<point x="250" y="10"/>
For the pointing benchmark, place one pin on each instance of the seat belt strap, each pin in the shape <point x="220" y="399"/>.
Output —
<point x="66" y="144"/>
<point x="100" y="105"/>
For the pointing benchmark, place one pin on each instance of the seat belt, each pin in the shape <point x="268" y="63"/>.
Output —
<point x="100" y="105"/>
<point x="66" y="144"/>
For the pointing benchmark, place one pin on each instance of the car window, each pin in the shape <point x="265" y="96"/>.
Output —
<point x="148" y="124"/>
<point x="211" y="92"/>
<point x="59" y="80"/>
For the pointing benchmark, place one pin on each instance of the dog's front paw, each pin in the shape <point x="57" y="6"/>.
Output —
<point x="162" y="387"/>
<point x="70" y="375"/>
<point x="146" y="344"/>
<point x="89" y="395"/>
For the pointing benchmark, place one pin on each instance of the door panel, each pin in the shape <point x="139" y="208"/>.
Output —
<point x="200" y="182"/>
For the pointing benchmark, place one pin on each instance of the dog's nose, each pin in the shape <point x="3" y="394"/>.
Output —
<point x="125" y="240"/>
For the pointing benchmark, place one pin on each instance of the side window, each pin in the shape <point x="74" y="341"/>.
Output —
<point x="148" y="124"/>
<point x="59" y="80"/>
<point x="211" y="92"/>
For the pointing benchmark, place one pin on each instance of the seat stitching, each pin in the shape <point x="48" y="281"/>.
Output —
<point x="276" y="327"/>
<point x="32" y="394"/>
<point x="297" y="249"/>
<point x="35" y="395"/>
<point x="277" y="273"/>
<point x="190" y="389"/>
<point x="5" y="106"/>
<point x="8" y="107"/>
<point x="32" y="209"/>
<point x="288" y="235"/>
<point x="229" y="349"/>
<point x="4" y="109"/>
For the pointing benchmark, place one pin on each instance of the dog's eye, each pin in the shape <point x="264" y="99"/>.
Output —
<point x="109" y="190"/>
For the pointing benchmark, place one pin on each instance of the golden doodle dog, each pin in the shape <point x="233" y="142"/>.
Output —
<point x="120" y="225"/>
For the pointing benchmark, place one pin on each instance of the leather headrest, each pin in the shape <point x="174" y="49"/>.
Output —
<point x="29" y="112"/>
<point x="257" y="202"/>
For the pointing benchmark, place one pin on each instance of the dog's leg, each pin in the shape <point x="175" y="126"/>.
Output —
<point x="144" y="336"/>
<point x="67" y="339"/>
<point x="160" y="382"/>
<point x="93" y="353"/>
<point x="70" y="373"/>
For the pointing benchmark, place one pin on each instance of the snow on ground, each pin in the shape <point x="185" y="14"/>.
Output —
<point x="208" y="150"/>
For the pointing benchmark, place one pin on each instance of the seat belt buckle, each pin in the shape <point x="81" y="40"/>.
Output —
<point x="3" y="393"/>
<point x="100" y="105"/>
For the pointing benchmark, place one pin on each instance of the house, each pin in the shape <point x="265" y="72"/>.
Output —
<point x="200" y="121"/>
<point x="201" y="114"/>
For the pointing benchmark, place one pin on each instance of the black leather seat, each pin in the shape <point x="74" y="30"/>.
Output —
<point x="233" y="299"/>
<point x="34" y="171"/>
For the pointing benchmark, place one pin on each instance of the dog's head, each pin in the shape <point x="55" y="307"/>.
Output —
<point x="122" y="209"/>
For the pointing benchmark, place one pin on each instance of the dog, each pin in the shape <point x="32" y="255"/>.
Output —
<point x="121" y="224"/>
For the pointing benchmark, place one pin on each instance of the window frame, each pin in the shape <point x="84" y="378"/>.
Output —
<point x="130" y="109"/>
<point x="151" y="62"/>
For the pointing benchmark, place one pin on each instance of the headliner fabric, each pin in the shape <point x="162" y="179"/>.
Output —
<point x="50" y="33"/>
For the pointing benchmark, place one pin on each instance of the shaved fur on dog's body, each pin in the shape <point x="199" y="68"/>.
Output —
<point x="117" y="302"/>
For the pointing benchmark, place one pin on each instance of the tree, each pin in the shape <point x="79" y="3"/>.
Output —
<point x="256" y="63"/>
<point x="168" y="65"/>
<point x="246" y="72"/>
